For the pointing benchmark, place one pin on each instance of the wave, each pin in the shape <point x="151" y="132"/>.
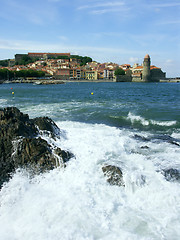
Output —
<point x="145" y="122"/>
<point x="78" y="203"/>
<point x="3" y="101"/>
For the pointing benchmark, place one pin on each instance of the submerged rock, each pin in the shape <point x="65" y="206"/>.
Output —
<point x="114" y="175"/>
<point x="22" y="146"/>
<point x="171" y="174"/>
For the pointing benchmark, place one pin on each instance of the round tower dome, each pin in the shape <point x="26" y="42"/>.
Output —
<point x="147" y="56"/>
<point x="146" y="74"/>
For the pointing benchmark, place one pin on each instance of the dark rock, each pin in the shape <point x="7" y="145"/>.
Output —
<point x="141" y="138"/>
<point x="171" y="174"/>
<point x="175" y="143"/>
<point x="114" y="175"/>
<point x="158" y="138"/>
<point x="35" y="152"/>
<point x="144" y="147"/>
<point x="165" y="138"/>
<point x="20" y="145"/>
<point x="47" y="124"/>
<point x="13" y="123"/>
<point x="65" y="155"/>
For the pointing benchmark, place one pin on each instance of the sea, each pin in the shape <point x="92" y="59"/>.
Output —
<point x="134" y="126"/>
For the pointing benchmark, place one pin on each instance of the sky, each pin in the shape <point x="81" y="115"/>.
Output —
<point x="107" y="30"/>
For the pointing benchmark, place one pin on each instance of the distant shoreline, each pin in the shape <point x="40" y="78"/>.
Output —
<point x="54" y="81"/>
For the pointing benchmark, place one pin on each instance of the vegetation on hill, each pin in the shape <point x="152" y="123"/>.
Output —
<point x="82" y="60"/>
<point x="119" y="71"/>
<point x="26" y="60"/>
<point x="4" y="63"/>
<point x="5" y="74"/>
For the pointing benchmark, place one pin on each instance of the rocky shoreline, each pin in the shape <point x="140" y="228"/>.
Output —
<point x="22" y="145"/>
<point x="56" y="81"/>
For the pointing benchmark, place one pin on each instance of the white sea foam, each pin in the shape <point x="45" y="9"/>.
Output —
<point x="3" y="102"/>
<point x="77" y="203"/>
<point x="135" y="118"/>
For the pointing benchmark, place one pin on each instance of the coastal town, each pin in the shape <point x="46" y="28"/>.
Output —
<point x="64" y="66"/>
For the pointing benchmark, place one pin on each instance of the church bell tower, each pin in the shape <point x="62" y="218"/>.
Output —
<point x="146" y="75"/>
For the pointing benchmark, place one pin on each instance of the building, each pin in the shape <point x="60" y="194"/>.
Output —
<point x="109" y="74"/>
<point x="18" y="57"/>
<point x="91" y="75"/>
<point x="146" y="75"/>
<point x="146" y="72"/>
<point x="48" y="55"/>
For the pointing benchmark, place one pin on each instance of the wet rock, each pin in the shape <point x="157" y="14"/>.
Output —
<point x="21" y="146"/>
<point x="171" y="174"/>
<point x="141" y="138"/>
<point x="144" y="147"/>
<point x="175" y="143"/>
<point x="114" y="175"/>
<point x="13" y="123"/>
<point x="65" y="155"/>
<point x="158" y="139"/>
<point x="34" y="151"/>
<point x="47" y="124"/>
<point x="166" y="138"/>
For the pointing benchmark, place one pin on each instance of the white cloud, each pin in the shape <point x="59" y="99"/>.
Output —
<point x="133" y="60"/>
<point x="165" y="5"/>
<point x="169" y="61"/>
<point x="54" y="0"/>
<point x="103" y="11"/>
<point x="104" y="7"/>
<point x="39" y="46"/>
<point x="25" y="11"/>
<point x="166" y="22"/>
<point x="63" y="38"/>
<point x="98" y="5"/>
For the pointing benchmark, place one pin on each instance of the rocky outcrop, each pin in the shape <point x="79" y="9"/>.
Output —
<point x="171" y="174"/>
<point x="47" y="125"/>
<point x="21" y="144"/>
<point x="114" y="175"/>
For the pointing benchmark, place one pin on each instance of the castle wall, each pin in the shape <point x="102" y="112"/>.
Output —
<point x="157" y="74"/>
<point x="123" y="78"/>
<point x="18" y="57"/>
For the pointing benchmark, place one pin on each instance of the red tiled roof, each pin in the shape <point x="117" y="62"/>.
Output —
<point x="154" y="67"/>
<point x="59" y="54"/>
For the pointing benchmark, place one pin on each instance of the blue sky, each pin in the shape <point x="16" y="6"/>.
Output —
<point x="118" y="31"/>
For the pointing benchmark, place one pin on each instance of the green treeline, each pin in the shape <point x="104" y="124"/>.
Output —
<point x="4" y="63"/>
<point x="26" y="60"/>
<point x="82" y="60"/>
<point x="119" y="71"/>
<point x="5" y="74"/>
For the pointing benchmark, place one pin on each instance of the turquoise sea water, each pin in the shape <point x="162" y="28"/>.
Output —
<point x="137" y="105"/>
<point x="135" y="126"/>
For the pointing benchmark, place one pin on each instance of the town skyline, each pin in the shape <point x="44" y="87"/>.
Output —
<point x="66" y="66"/>
<point x="108" y="31"/>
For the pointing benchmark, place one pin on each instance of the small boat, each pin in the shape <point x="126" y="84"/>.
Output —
<point x="37" y="83"/>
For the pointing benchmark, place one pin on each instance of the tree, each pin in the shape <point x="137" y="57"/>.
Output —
<point x="26" y="60"/>
<point x="4" y="63"/>
<point x="119" y="71"/>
